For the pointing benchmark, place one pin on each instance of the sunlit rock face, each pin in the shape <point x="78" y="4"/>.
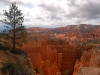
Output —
<point x="89" y="71"/>
<point x="54" y="59"/>
<point x="89" y="63"/>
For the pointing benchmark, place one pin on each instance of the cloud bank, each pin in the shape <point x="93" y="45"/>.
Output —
<point x="56" y="13"/>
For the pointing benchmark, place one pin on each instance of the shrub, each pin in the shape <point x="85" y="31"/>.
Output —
<point x="41" y="73"/>
<point x="19" y="51"/>
<point x="66" y="72"/>
<point x="14" y="69"/>
<point x="4" y="47"/>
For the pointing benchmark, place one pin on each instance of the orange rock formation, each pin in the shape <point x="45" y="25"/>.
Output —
<point x="90" y="59"/>
<point x="46" y="60"/>
<point x="54" y="59"/>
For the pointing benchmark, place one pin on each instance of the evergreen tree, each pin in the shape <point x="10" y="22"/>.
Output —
<point x="15" y="31"/>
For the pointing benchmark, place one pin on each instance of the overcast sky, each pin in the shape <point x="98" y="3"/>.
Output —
<point x="56" y="13"/>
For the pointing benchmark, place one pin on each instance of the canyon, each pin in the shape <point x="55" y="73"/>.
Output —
<point x="54" y="53"/>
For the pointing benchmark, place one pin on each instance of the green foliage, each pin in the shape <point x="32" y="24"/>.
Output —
<point x="20" y="52"/>
<point x="83" y="43"/>
<point x="4" y="47"/>
<point x="66" y="72"/>
<point x="15" y="32"/>
<point x="14" y="69"/>
<point x="94" y="41"/>
<point x="41" y="72"/>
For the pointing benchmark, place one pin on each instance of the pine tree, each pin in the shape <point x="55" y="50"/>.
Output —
<point x="14" y="31"/>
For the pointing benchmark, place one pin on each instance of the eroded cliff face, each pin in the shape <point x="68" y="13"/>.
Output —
<point x="89" y="63"/>
<point x="46" y="60"/>
<point x="54" y="59"/>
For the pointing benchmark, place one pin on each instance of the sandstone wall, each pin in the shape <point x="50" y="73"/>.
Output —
<point x="54" y="58"/>
<point x="46" y="60"/>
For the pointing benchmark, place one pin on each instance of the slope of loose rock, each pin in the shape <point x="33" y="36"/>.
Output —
<point x="6" y="56"/>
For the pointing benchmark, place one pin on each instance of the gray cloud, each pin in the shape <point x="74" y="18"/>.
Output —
<point x="87" y="11"/>
<point x="51" y="8"/>
<point x="5" y="2"/>
<point x="39" y="18"/>
<point x="8" y="2"/>
<point x="29" y="5"/>
<point x="26" y="19"/>
<point x="72" y="3"/>
<point x="53" y="16"/>
<point x="54" y="11"/>
<point x="1" y="14"/>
